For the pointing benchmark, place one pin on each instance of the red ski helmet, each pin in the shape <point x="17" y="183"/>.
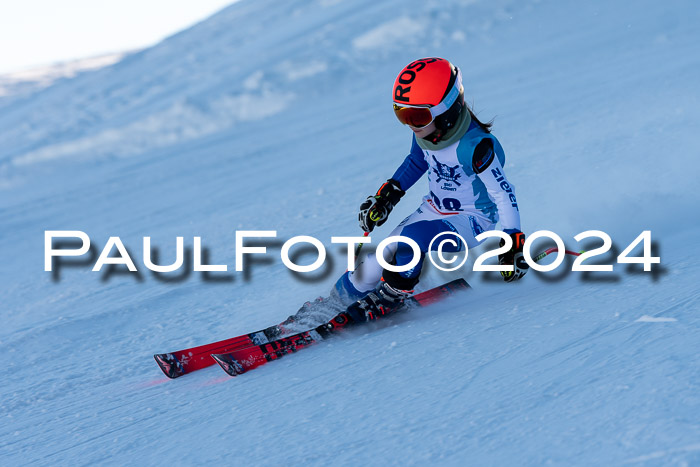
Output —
<point x="427" y="89"/>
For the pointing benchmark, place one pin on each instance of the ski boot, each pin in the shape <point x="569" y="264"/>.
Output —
<point x="381" y="301"/>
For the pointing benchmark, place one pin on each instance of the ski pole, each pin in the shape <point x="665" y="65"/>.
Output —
<point x="357" y="251"/>
<point x="554" y="250"/>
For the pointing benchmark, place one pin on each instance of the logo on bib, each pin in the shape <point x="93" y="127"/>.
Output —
<point x="445" y="172"/>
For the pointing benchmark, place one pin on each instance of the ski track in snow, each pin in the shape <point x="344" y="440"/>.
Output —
<point x="274" y="115"/>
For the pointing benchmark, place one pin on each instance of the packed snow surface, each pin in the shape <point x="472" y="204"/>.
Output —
<point x="276" y="116"/>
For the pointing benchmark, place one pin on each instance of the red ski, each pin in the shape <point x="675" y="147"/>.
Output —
<point x="176" y="364"/>
<point x="239" y="361"/>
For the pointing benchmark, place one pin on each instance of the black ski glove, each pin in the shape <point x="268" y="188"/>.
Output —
<point x="514" y="257"/>
<point x="375" y="210"/>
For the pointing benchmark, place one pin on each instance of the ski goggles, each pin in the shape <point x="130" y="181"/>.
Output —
<point x="419" y="116"/>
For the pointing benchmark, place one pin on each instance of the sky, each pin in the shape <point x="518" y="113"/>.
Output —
<point x="42" y="32"/>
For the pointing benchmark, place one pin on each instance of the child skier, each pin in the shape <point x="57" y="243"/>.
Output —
<point x="468" y="193"/>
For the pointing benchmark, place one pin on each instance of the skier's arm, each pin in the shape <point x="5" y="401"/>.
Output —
<point x="376" y="209"/>
<point x="489" y="170"/>
<point x="412" y="168"/>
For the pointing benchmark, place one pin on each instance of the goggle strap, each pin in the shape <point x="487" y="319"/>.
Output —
<point x="450" y="98"/>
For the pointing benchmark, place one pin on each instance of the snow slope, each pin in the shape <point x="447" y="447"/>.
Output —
<point x="24" y="82"/>
<point x="275" y="115"/>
